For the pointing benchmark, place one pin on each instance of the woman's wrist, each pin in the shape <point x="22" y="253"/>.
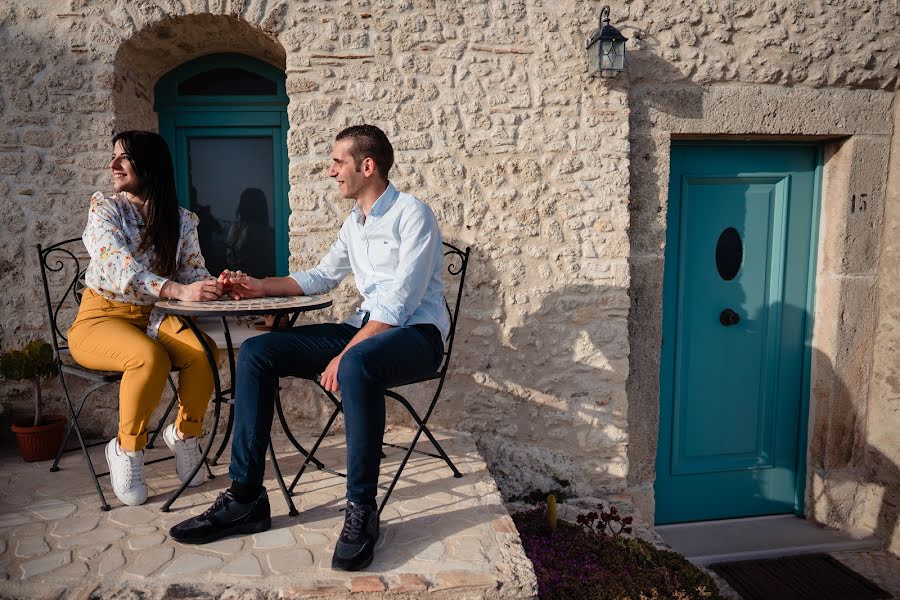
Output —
<point x="169" y="290"/>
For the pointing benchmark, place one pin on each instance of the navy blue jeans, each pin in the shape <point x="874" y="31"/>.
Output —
<point x="393" y="357"/>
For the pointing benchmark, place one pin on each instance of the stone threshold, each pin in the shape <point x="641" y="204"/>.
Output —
<point x="707" y="542"/>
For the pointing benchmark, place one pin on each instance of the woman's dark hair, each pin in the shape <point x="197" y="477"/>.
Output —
<point x="369" y="142"/>
<point x="149" y="156"/>
<point x="253" y="207"/>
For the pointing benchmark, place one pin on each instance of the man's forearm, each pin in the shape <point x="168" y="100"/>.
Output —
<point x="368" y="330"/>
<point x="281" y="286"/>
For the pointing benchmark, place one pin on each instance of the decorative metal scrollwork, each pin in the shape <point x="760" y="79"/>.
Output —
<point x="58" y="258"/>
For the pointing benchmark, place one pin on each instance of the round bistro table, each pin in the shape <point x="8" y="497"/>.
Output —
<point x="282" y="307"/>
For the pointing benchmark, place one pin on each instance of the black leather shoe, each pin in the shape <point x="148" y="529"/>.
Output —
<point x="225" y="517"/>
<point x="356" y="545"/>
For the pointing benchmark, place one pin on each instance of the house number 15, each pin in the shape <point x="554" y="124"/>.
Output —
<point x="861" y="205"/>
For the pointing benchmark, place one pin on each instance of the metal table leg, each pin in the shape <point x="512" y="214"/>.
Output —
<point x="218" y="399"/>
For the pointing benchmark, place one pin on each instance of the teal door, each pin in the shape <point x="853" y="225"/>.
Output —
<point x="224" y="118"/>
<point x="736" y="300"/>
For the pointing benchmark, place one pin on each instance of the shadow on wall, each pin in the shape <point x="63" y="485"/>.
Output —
<point x="851" y="482"/>
<point x="538" y="377"/>
<point x="651" y="80"/>
<point x="648" y="203"/>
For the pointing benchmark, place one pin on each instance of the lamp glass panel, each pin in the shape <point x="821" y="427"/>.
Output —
<point x="606" y="51"/>
<point x="594" y="58"/>
<point x="619" y="57"/>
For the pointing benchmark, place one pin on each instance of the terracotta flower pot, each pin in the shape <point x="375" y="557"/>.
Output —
<point x="41" y="442"/>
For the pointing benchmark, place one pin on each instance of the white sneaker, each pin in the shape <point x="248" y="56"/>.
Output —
<point x="126" y="473"/>
<point x="187" y="455"/>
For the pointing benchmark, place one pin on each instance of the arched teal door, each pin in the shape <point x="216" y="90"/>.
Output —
<point x="224" y="117"/>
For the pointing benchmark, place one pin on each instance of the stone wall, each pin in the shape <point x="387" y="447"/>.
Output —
<point x="877" y="498"/>
<point x="498" y="128"/>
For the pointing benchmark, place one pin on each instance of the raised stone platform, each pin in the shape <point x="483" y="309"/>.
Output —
<point x="441" y="536"/>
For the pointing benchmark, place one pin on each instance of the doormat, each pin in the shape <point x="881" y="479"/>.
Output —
<point x="805" y="577"/>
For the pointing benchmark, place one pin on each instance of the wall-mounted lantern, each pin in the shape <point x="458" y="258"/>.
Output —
<point x="606" y="48"/>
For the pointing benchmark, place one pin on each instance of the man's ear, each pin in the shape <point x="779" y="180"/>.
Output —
<point x="368" y="166"/>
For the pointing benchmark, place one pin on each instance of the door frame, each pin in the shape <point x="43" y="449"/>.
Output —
<point x="670" y="281"/>
<point x="221" y="113"/>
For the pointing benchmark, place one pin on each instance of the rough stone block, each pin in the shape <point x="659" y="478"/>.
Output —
<point x="367" y="584"/>
<point x="150" y="561"/>
<point x="314" y="589"/>
<point x="45" y="564"/>
<point x="40" y="138"/>
<point x="448" y="580"/>
<point x="111" y="562"/>
<point x="244" y="566"/>
<point x="852" y="368"/>
<point x="407" y="583"/>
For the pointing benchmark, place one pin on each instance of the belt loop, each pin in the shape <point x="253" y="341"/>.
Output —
<point x="365" y="318"/>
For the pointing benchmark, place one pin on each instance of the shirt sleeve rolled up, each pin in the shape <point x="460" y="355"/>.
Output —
<point x="330" y="271"/>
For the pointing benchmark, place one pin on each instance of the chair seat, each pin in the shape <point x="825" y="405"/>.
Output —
<point x="70" y="365"/>
<point x="432" y="377"/>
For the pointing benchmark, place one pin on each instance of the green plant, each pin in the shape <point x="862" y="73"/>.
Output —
<point x="33" y="362"/>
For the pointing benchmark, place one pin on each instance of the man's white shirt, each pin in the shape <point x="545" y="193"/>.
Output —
<point x="396" y="258"/>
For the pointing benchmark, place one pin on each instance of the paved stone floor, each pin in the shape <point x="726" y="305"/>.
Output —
<point x="443" y="536"/>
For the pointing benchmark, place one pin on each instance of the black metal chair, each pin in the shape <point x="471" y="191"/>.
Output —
<point x="458" y="261"/>
<point x="66" y="258"/>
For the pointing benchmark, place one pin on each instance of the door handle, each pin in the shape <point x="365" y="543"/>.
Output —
<point x="728" y="318"/>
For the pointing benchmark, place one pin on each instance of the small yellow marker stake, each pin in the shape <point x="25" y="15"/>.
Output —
<point x="551" y="512"/>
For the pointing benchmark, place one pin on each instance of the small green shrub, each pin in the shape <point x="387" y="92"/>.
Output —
<point x="33" y="362"/>
<point x="579" y="563"/>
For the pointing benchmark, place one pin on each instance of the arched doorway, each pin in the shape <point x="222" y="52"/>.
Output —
<point x="224" y="117"/>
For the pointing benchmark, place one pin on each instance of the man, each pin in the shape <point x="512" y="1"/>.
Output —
<point x="392" y="245"/>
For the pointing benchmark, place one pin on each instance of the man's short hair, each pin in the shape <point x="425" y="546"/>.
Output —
<point x="369" y="142"/>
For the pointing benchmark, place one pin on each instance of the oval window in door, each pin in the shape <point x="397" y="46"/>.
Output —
<point x="729" y="254"/>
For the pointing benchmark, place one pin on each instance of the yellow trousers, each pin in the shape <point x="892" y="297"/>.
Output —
<point x="111" y="336"/>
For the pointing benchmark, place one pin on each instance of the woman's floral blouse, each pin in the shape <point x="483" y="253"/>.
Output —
<point x="120" y="273"/>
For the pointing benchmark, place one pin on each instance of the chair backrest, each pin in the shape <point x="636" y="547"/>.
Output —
<point x="64" y="263"/>
<point x="457" y="262"/>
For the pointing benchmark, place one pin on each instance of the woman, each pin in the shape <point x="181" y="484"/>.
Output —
<point x="143" y="248"/>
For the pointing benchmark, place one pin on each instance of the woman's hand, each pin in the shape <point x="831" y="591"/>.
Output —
<point x="199" y="291"/>
<point x="239" y="285"/>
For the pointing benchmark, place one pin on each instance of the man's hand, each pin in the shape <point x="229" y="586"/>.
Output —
<point x="329" y="379"/>
<point x="239" y="285"/>
<point x="199" y="291"/>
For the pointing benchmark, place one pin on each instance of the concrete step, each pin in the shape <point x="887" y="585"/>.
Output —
<point x="708" y="542"/>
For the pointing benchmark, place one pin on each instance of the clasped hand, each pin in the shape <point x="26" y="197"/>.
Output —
<point x="239" y="285"/>
<point x="199" y="291"/>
